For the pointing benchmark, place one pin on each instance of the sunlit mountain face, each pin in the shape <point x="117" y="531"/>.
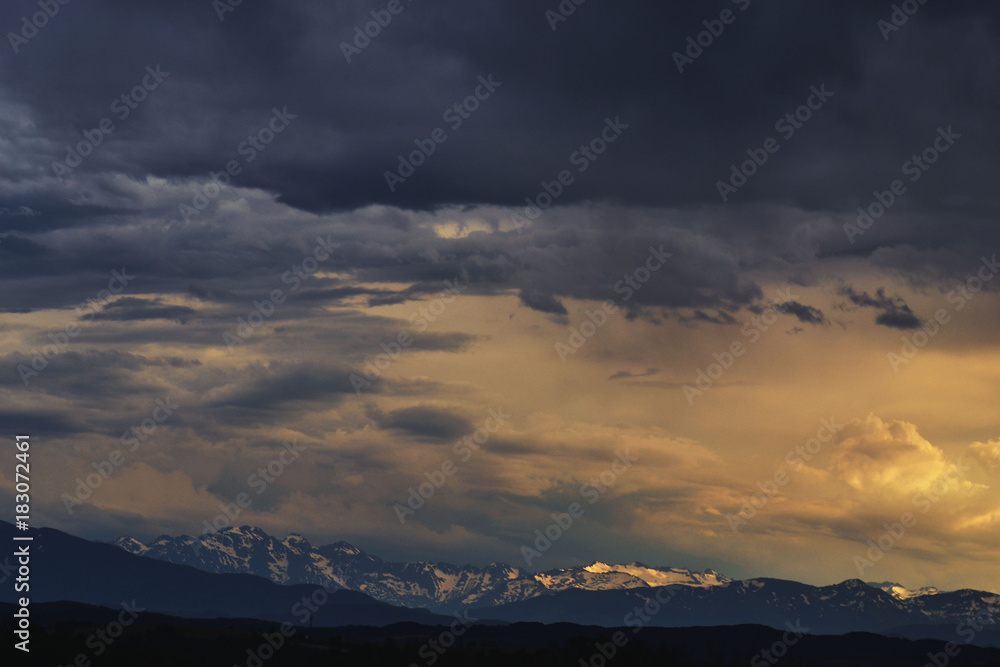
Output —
<point x="507" y="305"/>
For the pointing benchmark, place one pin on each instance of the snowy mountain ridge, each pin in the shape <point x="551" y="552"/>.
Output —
<point x="446" y="588"/>
<point x="436" y="586"/>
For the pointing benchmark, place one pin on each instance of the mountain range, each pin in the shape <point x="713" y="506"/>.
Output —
<point x="222" y="579"/>
<point x="440" y="587"/>
<point x="597" y="594"/>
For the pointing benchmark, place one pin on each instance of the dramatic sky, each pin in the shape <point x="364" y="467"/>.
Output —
<point x="126" y="272"/>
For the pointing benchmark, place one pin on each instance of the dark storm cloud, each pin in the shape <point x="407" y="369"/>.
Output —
<point x="894" y="312"/>
<point x="425" y="422"/>
<point x="388" y="297"/>
<point x="263" y="387"/>
<point x="804" y="313"/>
<point x="543" y="303"/>
<point x="143" y="309"/>
<point x="14" y="245"/>
<point x="90" y="375"/>
<point x="204" y="294"/>
<point x="354" y="119"/>
<point x="38" y="423"/>
<point x="685" y="129"/>
<point x="897" y="319"/>
<point x="627" y="375"/>
<point x="720" y="317"/>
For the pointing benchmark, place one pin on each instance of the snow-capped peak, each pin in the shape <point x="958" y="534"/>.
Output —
<point x="662" y="576"/>
<point x="901" y="592"/>
<point x="598" y="566"/>
<point x="296" y="541"/>
<point x="131" y="545"/>
<point x="345" y="548"/>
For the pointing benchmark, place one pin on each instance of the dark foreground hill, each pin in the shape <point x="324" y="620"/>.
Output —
<point x="62" y="632"/>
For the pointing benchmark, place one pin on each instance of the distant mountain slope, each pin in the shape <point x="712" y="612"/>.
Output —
<point x="851" y="606"/>
<point x="64" y="567"/>
<point x="440" y="587"/>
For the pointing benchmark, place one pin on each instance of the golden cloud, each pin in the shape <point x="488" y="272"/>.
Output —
<point x="988" y="453"/>
<point x="888" y="457"/>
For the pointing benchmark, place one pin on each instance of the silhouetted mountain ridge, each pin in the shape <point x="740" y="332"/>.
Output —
<point x="68" y="568"/>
